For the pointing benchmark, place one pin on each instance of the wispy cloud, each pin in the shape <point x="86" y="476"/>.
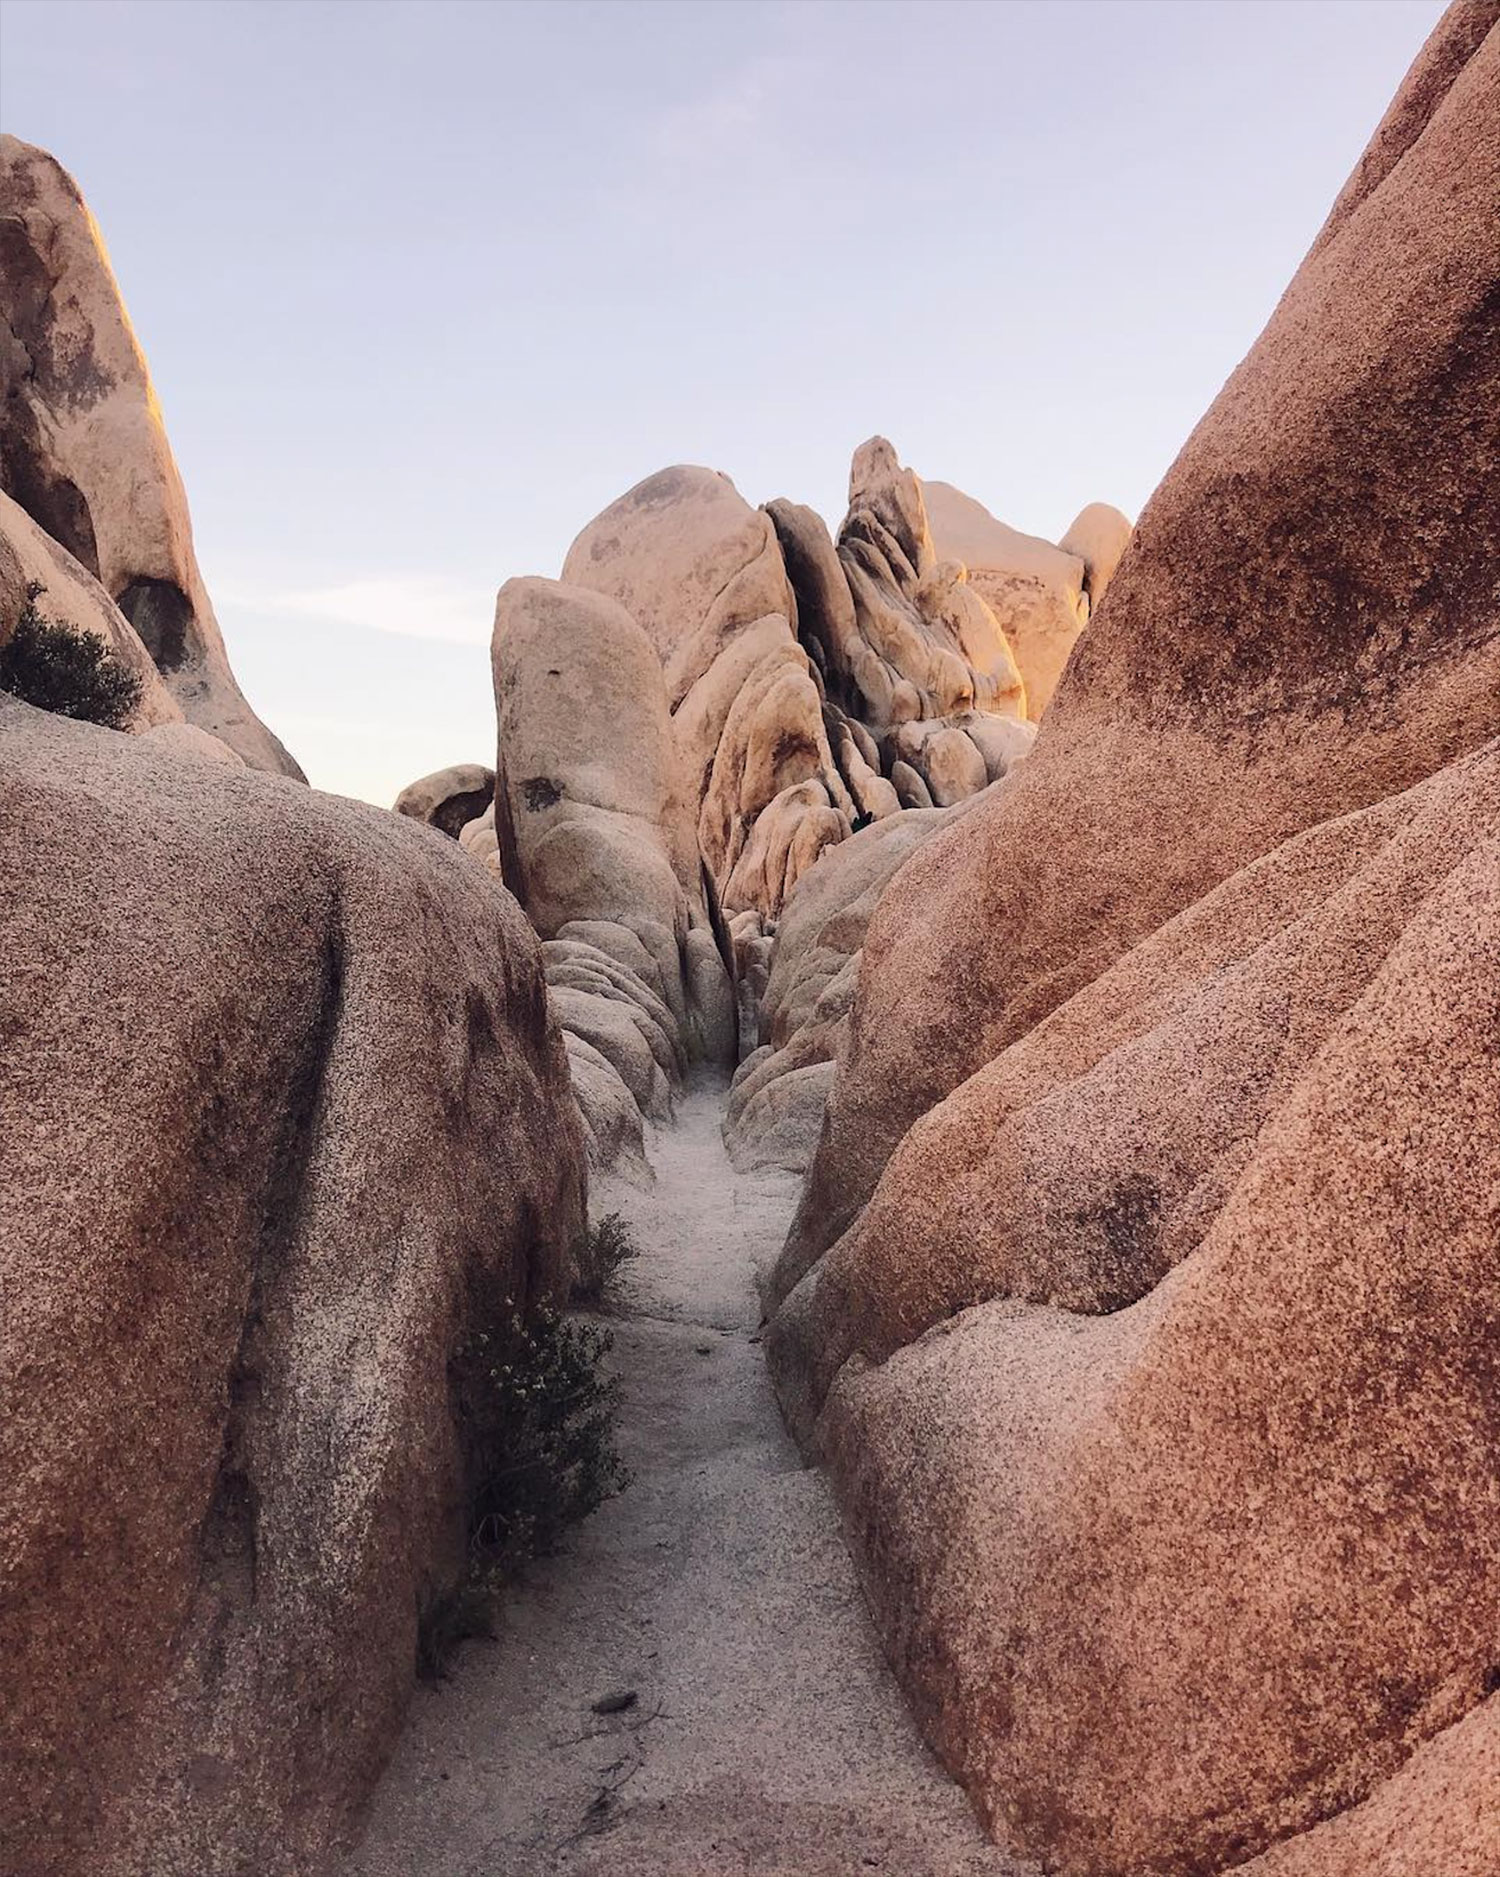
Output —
<point x="418" y="605"/>
<point x="735" y="147"/>
<point x="727" y="119"/>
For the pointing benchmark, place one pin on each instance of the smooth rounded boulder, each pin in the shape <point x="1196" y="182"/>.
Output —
<point x="285" y="1119"/>
<point x="1141" y="1298"/>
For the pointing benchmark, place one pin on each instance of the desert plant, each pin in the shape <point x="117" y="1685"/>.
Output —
<point x="537" y="1420"/>
<point x="536" y="1423"/>
<point x="446" y="1616"/>
<point x="65" y="670"/>
<point x="605" y="1248"/>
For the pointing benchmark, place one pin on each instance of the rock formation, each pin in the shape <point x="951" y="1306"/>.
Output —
<point x="83" y="450"/>
<point x="596" y="840"/>
<point x="280" y="1095"/>
<point x="70" y="596"/>
<point x="449" y="799"/>
<point x="747" y="694"/>
<point x="701" y="573"/>
<point x="804" y="980"/>
<point x="1141" y="1298"/>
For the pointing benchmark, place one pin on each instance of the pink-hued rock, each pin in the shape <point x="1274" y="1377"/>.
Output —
<point x="280" y="1102"/>
<point x="83" y="448"/>
<point x="688" y="558"/>
<point x="1036" y="594"/>
<point x="595" y="831"/>
<point x="1159" y="1377"/>
<point x="1142" y="1299"/>
<point x="1099" y="536"/>
<point x="71" y="596"/>
<point x="1302" y="625"/>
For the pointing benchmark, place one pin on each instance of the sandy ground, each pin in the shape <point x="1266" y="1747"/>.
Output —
<point x="766" y="1734"/>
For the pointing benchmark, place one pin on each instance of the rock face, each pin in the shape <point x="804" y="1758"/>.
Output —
<point x="930" y="646"/>
<point x="1142" y="1295"/>
<point x="449" y="799"/>
<point x="701" y="573"/>
<point x="791" y="665"/>
<point x="71" y="596"/>
<point x="688" y="559"/>
<point x="801" y="1010"/>
<point x="281" y="1097"/>
<point x="83" y="450"/>
<point x="1038" y="594"/>
<point x="1099" y="537"/>
<point x="809" y="690"/>
<point x="596" y="840"/>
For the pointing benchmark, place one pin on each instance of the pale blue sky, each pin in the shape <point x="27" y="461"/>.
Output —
<point x="426" y="283"/>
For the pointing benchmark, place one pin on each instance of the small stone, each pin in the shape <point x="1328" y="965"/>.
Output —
<point x="620" y="1701"/>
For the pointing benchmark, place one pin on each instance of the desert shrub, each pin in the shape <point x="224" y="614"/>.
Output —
<point x="67" y="671"/>
<point x="536" y="1422"/>
<point x="447" y="1616"/>
<point x="605" y="1249"/>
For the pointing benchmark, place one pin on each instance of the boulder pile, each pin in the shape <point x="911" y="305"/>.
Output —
<point x="712" y="699"/>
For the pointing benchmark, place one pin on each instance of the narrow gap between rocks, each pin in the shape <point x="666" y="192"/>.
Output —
<point x="763" y="1731"/>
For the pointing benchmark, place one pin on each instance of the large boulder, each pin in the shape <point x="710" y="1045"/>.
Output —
<point x="905" y="607"/>
<point x="702" y="572"/>
<point x="1099" y="536"/>
<point x="281" y="1102"/>
<point x="588" y="807"/>
<point x="1037" y="594"/>
<point x="449" y="799"/>
<point x="1158" y="1377"/>
<point x="83" y="449"/>
<point x="802" y="1014"/>
<point x="1039" y="1360"/>
<point x="1301" y="625"/>
<point x="596" y="839"/>
<point x="689" y="559"/>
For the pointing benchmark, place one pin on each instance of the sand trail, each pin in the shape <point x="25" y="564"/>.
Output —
<point x="766" y="1735"/>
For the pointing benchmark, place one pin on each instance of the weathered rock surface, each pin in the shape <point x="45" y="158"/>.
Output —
<point x="703" y="574"/>
<point x="1253" y="1126"/>
<point x="1342" y="643"/>
<point x="71" y="596"/>
<point x="478" y="837"/>
<point x="1037" y="594"/>
<point x="186" y="740"/>
<point x="1099" y="536"/>
<point x="801" y="1005"/>
<point x="1158" y="1376"/>
<point x="596" y="839"/>
<point x="688" y="559"/>
<point x="449" y="799"/>
<point x="280" y="1096"/>
<point x="84" y="452"/>
<point x="790" y="663"/>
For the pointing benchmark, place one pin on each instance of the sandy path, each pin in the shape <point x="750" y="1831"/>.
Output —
<point x="767" y="1736"/>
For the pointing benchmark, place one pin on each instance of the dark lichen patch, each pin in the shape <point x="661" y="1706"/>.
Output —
<point x="540" y="792"/>
<point x="1126" y="1233"/>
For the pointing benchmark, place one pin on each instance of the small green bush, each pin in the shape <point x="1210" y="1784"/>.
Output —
<point x="605" y="1249"/>
<point x="536" y="1421"/>
<point x="69" y="672"/>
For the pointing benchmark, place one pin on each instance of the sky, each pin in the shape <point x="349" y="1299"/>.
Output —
<point x="425" y="284"/>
